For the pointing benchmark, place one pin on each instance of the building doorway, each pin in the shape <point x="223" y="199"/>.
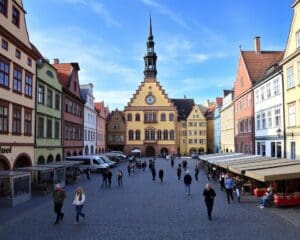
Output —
<point x="4" y="165"/>
<point x="22" y="161"/>
<point x="50" y="159"/>
<point x="41" y="160"/>
<point x="164" y="152"/>
<point x="150" y="151"/>
<point x="86" y="150"/>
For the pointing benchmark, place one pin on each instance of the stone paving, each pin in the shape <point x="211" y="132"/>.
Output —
<point x="144" y="209"/>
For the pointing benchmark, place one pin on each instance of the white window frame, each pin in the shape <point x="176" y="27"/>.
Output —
<point x="290" y="77"/>
<point x="277" y="117"/>
<point x="298" y="39"/>
<point x="268" y="90"/>
<point x="269" y="118"/>
<point x="258" y="124"/>
<point x="292" y="114"/>
<point x="263" y="120"/>
<point x="276" y="88"/>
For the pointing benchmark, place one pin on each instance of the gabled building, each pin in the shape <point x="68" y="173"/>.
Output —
<point x="251" y="67"/>
<point x="48" y="140"/>
<point x="291" y="76"/>
<point x="90" y="119"/>
<point x="217" y="125"/>
<point x="150" y="114"/>
<point x="196" y="130"/>
<point x="72" y="108"/>
<point x="227" y="122"/>
<point x="116" y="131"/>
<point x="17" y="87"/>
<point x="102" y="117"/>
<point x="209" y="115"/>
<point x="184" y="107"/>
<point x="269" y="116"/>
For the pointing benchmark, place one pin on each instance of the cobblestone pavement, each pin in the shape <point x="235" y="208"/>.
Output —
<point x="144" y="209"/>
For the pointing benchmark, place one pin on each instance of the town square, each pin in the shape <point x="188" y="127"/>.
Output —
<point x="149" y="119"/>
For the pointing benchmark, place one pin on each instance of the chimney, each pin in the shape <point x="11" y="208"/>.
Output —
<point x="257" y="45"/>
<point x="55" y="61"/>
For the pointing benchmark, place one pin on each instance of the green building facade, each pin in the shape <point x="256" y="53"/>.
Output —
<point x="48" y="134"/>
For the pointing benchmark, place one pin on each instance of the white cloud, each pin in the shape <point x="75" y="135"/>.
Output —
<point x="98" y="8"/>
<point x="167" y="12"/>
<point x="114" y="98"/>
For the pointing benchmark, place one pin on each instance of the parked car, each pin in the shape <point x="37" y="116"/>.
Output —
<point x="110" y="163"/>
<point x="195" y="155"/>
<point x="117" y="157"/>
<point x="93" y="162"/>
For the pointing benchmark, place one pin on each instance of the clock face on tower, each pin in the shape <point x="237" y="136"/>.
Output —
<point x="150" y="99"/>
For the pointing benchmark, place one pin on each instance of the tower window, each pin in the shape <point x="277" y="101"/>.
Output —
<point x="3" y="7"/>
<point x="16" y="16"/>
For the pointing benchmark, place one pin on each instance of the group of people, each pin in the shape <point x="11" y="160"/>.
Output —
<point x="59" y="196"/>
<point x="107" y="178"/>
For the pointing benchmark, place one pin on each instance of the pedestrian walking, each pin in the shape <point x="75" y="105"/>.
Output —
<point x="196" y="172"/>
<point x="172" y="161"/>
<point x="179" y="171"/>
<point x="129" y="169"/>
<point x="150" y="164"/>
<point x="222" y="181"/>
<point x="187" y="182"/>
<point x="209" y="196"/>
<point x="144" y="165"/>
<point x="87" y="172"/>
<point x="59" y="196"/>
<point x="184" y="164"/>
<point x="238" y="188"/>
<point x="120" y="178"/>
<point x="104" y="178"/>
<point x="109" y="177"/>
<point x="79" y="200"/>
<point x="229" y="184"/>
<point x="207" y="173"/>
<point x="153" y="172"/>
<point x="161" y="175"/>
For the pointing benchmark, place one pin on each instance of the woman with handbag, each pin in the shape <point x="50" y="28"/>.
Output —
<point x="78" y="202"/>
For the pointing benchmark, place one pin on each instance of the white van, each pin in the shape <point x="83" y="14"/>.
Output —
<point x="93" y="162"/>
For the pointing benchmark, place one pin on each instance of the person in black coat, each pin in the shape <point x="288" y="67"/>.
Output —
<point x="209" y="196"/>
<point x="104" y="178"/>
<point x="179" y="172"/>
<point x="109" y="177"/>
<point x="161" y="175"/>
<point x="172" y="161"/>
<point x="196" y="172"/>
<point x="187" y="182"/>
<point x="153" y="172"/>
<point x="184" y="164"/>
<point x="129" y="169"/>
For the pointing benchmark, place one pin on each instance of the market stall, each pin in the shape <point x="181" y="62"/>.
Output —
<point x="14" y="188"/>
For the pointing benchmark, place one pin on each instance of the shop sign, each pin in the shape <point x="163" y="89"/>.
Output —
<point x="5" y="149"/>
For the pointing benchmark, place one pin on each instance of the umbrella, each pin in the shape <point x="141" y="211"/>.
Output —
<point x="136" y="151"/>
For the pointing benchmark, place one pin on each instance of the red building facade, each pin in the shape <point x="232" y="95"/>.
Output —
<point x="72" y="107"/>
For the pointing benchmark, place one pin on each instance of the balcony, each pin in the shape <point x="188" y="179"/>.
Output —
<point x="150" y="121"/>
<point x="149" y="141"/>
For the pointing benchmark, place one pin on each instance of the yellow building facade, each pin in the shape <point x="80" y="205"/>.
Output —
<point x="196" y="131"/>
<point x="17" y="88"/>
<point x="151" y="116"/>
<point x="227" y="124"/>
<point x="291" y="75"/>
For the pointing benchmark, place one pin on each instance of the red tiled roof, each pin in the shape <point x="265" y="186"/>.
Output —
<point x="219" y="100"/>
<point x="257" y="63"/>
<point x="64" y="71"/>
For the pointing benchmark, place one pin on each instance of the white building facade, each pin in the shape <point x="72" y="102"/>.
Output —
<point x="269" y="115"/>
<point x="90" y="119"/>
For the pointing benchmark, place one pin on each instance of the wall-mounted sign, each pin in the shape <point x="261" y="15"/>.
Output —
<point x="5" y="149"/>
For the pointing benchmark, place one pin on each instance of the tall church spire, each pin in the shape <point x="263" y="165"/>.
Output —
<point x="150" y="57"/>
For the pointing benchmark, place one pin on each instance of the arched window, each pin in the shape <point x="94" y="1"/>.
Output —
<point x="129" y="117"/>
<point x="147" y="134"/>
<point x="158" y="134"/>
<point x="163" y="117"/>
<point x="172" y="135"/>
<point x="166" y="135"/>
<point x="137" y="135"/>
<point x="171" y="117"/>
<point x="152" y="134"/>
<point x="130" y="135"/>
<point x="137" y="117"/>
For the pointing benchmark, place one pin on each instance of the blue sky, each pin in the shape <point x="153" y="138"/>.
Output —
<point x="197" y="42"/>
